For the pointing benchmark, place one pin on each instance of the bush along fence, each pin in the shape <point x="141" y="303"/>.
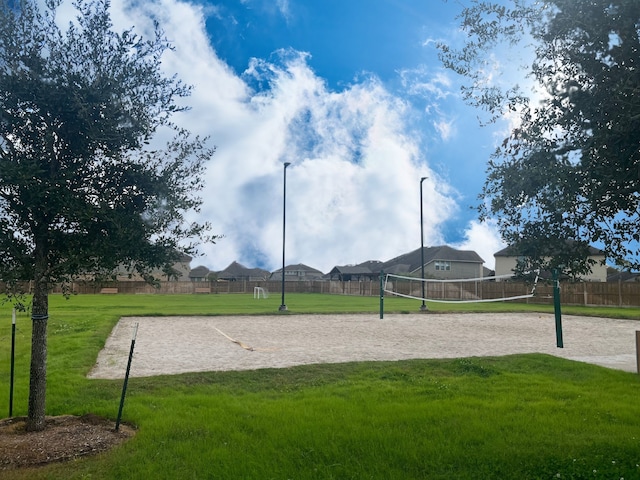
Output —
<point x="618" y="294"/>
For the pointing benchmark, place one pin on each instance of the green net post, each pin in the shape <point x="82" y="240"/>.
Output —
<point x="381" y="294"/>
<point x="13" y="361"/>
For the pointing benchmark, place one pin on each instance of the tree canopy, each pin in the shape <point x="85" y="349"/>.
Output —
<point x="568" y="174"/>
<point x="84" y="184"/>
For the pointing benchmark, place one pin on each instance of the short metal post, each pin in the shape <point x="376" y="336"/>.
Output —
<point x="126" y="377"/>
<point x="556" y="306"/>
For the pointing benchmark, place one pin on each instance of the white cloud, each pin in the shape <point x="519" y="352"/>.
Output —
<point x="444" y="128"/>
<point x="284" y="8"/>
<point x="353" y="184"/>
<point x="422" y="81"/>
<point x="431" y="41"/>
<point x="484" y="239"/>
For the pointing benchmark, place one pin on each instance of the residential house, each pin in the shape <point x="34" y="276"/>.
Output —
<point x="352" y="273"/>
<point x="299" y="272"/>
<point x="199" y="274"/>
<point x="440" y="262"/>
<point x="374" y="265"/>
<point x="236" y="272"/>
<point x="615" y="275"/>
<point x="507" y="259"/>
<point x="179" y="271"/>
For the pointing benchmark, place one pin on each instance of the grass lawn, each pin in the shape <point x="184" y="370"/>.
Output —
<point x="521" y="417"/>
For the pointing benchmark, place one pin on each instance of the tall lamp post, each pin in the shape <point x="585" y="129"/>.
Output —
<point x="423" y="307"/>
<point x="283" y="306"/>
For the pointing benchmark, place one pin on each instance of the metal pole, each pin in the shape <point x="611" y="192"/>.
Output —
<point x="556" y="307"/>
<point x="283" y="306"/>
<point x="13" y="356"/>
<point x="423" y="307"/>
<point x="126" y="377"/>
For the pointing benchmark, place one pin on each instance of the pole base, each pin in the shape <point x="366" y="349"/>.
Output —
<point x="423" y="308"/>
<point x="282" y="308"/>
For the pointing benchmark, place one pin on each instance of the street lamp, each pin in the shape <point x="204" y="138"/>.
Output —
<point x="283" y="306"/>
<point x="423" y="307"/>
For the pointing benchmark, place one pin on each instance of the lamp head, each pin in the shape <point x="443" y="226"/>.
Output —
<point x="286" y="164"/>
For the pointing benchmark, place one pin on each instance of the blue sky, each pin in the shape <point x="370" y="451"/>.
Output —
<point x="344" y="38"/>
<point x="350" y="92"/>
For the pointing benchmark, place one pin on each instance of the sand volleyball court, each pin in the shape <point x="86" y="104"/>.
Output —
<point x="171" y="345"/>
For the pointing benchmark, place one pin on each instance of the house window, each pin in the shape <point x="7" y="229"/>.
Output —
<point x="442" y="266"/>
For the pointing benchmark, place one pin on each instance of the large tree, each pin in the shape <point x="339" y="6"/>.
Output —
<point x="82" y="190"/>
<point x="568" y="174"/>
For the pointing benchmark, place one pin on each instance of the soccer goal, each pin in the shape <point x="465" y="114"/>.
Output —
<point x="258" y="291"/>
<point x="496" y="288"/>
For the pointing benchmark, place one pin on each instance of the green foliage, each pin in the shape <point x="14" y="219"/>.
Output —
<point x="570" y="169"/>
<point x="81" y="186"/>
<point x="82" y="189"/>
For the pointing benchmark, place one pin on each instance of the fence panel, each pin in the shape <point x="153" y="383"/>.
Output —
<point x="620" y="294"/>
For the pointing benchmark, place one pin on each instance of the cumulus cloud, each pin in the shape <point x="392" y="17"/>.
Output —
<point x="353" y="184"/>
<point x="483" y="237"/>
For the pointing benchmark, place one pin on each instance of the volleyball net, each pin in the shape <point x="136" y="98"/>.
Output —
<point x="496" y="288"/>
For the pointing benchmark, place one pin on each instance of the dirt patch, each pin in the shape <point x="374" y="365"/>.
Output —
<point x="64" y="438"/>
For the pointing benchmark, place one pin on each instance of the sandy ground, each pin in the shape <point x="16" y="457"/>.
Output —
<point x="171" y="345"/>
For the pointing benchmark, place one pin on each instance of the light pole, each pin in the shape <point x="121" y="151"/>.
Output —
<point x="423" y="307"/>
<point x="283" y="306"/>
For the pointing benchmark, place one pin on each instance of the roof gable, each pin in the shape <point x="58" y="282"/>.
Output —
<point x="234" y="269"/>
<point x="237" y="270"/>
<point x="199" y="272"/>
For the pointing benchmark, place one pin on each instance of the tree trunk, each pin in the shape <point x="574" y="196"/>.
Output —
<point x="38" y="372"/>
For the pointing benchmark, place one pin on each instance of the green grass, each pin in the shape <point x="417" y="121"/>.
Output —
<point x="524" y="416"/>
<point x="242" y="304"/>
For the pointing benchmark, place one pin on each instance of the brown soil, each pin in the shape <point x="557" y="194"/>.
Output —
<point x="64" y="438"/>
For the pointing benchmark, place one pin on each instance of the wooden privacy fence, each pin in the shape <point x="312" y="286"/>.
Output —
<point x="319" y="286"/>
<point x="619" y="294"/>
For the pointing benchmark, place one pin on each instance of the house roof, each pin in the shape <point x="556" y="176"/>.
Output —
<point x="411" y="261"/>
<point x="351" y="270"/>
<point x="199" y="272"/>
<point x="370" y="267"/>
<point x="373" y="265"/>
<point x="614" y="275"/>
<point x="233" y="269"/>
<point x="299" y="267"/>
<point x="512" y="251"/>
<point x="236" y="270"/>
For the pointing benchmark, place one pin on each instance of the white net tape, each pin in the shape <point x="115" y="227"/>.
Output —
<point x="465" y="290"/>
